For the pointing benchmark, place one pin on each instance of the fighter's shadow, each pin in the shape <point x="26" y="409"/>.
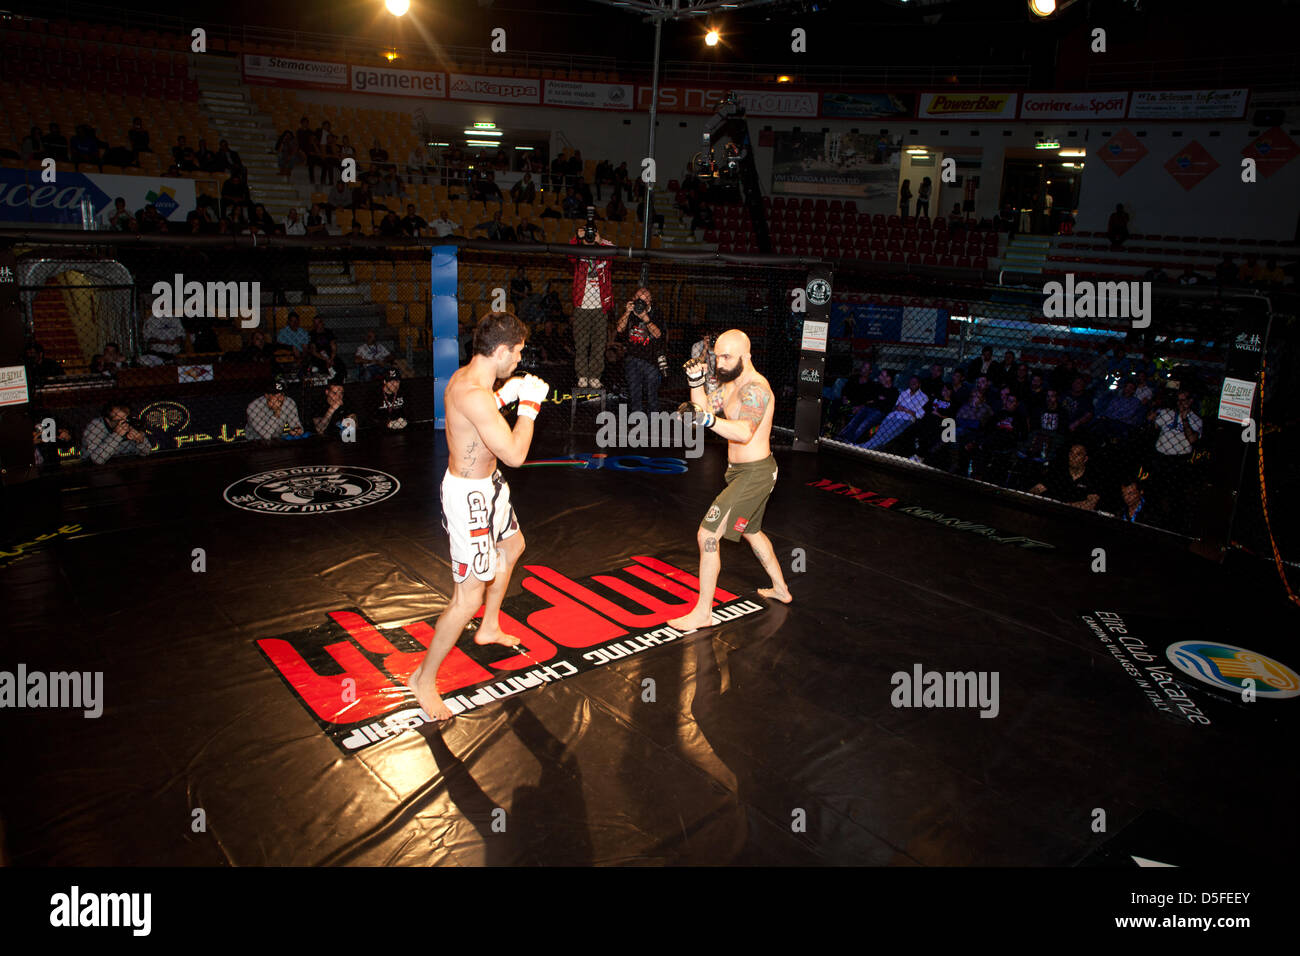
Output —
<point x="547" y="822"/>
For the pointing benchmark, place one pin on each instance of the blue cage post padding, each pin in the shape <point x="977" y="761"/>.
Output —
<point x="444" y="314"/>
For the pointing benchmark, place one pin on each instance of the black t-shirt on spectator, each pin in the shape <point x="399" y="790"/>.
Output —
<point x="640" y="343"/>
<point x="1064" y="487"/>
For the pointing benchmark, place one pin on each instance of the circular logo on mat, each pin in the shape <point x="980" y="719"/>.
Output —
<point x="165" y="417"/>
<point x="819" y="292"/>
<point x="1225" y="666"/>
<point x="311" y="489"/>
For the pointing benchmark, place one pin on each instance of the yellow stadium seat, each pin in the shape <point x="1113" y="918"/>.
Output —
<point x="379" y="292"/>
<point x="364" y="271"/>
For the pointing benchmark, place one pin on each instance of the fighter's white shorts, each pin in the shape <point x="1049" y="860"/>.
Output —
<point x="476" y="514"/>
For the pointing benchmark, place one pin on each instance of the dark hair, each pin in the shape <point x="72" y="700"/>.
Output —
<point x="498" y="328"/>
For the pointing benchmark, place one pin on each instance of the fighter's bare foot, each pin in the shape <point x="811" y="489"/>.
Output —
<point x="777" y="594"/>
<point x="691" y="622"/>
<point x="428" y="699"/>
<point x="495" y="636"/>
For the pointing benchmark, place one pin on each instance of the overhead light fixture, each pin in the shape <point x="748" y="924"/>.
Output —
<point x="527" y="149"/>
<point x="1047" y="144"/>
<point x="390" y="55"/>
<point x="1042" y="8"/>
<point x="711" y="38"/>
<point x="1073" y="152"/>
<point x="485" y="125"/>
<point x="438" y="144"/>
<point x="397" y="7"/>
<point x="784" y="79"/>
<point x="482" y="132"/>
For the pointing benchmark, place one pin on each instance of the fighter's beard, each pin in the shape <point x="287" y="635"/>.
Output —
<point x="731" y="376"/>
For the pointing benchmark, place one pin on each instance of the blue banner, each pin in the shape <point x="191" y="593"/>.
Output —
<point x="889" y="323"/>
<point x="25" y="198"/>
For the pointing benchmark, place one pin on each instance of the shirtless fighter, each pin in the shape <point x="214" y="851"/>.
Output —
<point x="747" y="401"/>
<point x="476" y="510"/>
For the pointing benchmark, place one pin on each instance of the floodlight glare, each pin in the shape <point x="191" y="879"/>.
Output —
<point x="397" y="7"/>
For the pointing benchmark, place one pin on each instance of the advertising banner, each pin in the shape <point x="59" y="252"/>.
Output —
<point x="868" y="105"/>
<point x="1189" y="104"/>
<point x="596" y="96"/>
<point x="976" y="106"/>
<point x="494" y="89"/>
<point x="389" y="82"/>
<point x="704" y="101"/>
<point x="24" y="198"/>
<point x="1074" y="106"/>
<point x="835" y="164"/>
<point x="285" y="71"/>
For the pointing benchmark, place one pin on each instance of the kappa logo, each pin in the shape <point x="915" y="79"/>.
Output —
<point x="311" y="489"/>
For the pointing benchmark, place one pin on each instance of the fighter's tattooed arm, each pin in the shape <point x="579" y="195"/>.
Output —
<point x="754" y="400"/>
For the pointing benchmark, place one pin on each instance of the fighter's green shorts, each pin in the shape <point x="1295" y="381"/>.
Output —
<point x="744" y="500"/>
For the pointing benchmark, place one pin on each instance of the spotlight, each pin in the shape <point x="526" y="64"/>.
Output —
<point x="1042" y="8"/>
<point x="711" y="38"/>
<point x="397" y="7"/>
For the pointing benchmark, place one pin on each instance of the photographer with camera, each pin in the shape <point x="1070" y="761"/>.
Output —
<point x="592" y="298"/>
<point x="643" y="333"/>
<point x="115" y="434"/>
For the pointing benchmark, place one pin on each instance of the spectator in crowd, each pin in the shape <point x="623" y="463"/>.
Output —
<point x="355" y="231"/>
<point x="183" y="156"/>
<point x="615" y="210"/>
<point x="933" y="383"/>
<point x="114" y="435"/>
<point x="322" y="353"/>
<point x="1006" y="369"/>
<point x="850" y="397"/>
<point x="229" y="160"/>
<point x="333" y="414"/>
<point x="496" y="230"/>
<point x="362" y="198"/>
<point x="905" y="198"/>
<point x="520" y="289"/>
<point x="413" y="222"/>
<point x="524" y="191"/>
<point x="260" y="222"/>
<point x="372" y="357"/>
<point x="286" y="152"/>
<point x="1134" y="502"/>
<point x="235" y="222"/>
<point x="1032" y="399"/>
<point x="1003" y="431"/>
<point x="164" y="336"/>
<point x="378" y="158"/>
<point x="444" y="225"/>
<point x="390" y="226"/>
<point x="258" y="349"/>
<point x="572" y="205"/>
<point x="331" y="158"/>
<point x="271" y="414"/>
<point x="390" y="184"/>
<point x="1078" y="407"/>
<point x="33" y="145"/>
<point x="391" y="411"/>
<point x="295" y="337"/>
<point x="984" y="365"/>
<point x="346" y="149"/>
<point x="120" y="219"/>
<point x="1178" y="429"/>
<point x="878" y="401"/>
<point x="114" y="360"/>
<point x="593" y="297"/>
<point x="86" y="146"/>
<point x="528" y="232"/>
<point x="1070" y="481"/>
<point x="1049" y="429"/>
<point x="1063" y="376"/>
<point x="417" y="163"/>
<point x="550" y="212"/>
<point x="150" y="220"/>
<point x="235" y="193"/>
<point x="960" y="388"/>
<point x="929" y="430"/>
<point x="1123" y="412"/>
<point x="907" y="411"/>
<point x="39" y="368"/>
<point x="316" y="225"/>
<point x="204" y="158"/>
<point x="56" y="144"/>
<point x="641" y="329"/>
<point x="923" y="198"/>
<point x="293" y="226"/>
<point x="308" y="148"/>
<point x="487" y="189"/>
<point x="1117" y="227"/>
<point x="45" y="454"/>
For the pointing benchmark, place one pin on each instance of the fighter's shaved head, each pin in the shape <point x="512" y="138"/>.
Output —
<point x="732" y="342"/>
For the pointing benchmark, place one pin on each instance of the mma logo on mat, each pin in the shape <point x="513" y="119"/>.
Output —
<point x="350" y="675"/>
<point x="311" y="489"/>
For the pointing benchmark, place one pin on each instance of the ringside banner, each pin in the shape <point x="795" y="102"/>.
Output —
<point x="389" y="82"/>
<point x="494" y="89"/>
<point x="599" y="96"/>
<point x="1073" y="106"/>
<point x="25" y="198"/>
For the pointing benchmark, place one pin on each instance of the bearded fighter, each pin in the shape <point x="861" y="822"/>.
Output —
<point x="746" y="399"/>
<point x="476" y="512"/>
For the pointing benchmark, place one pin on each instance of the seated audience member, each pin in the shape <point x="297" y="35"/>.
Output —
<point x="390" y="226"/>
<point x="164" y="336"/>
<point x="259" y="349"/>
<point x="1069" y="481"/>
<point x="295" y="337"/>
<point x="497" y="230"/>
<point x="960" y="388"/>
<point x="413" y="222"/>
<point x="113" y="435"/>
<point x="1134" y="507"/>
<point x="524" y="191"/>
<point x="1123" y="412"/>
<point x="114" y="360"/>
<point x="391" y="410"/>
<point x="183" y="156"/>
<point x="527" y="232"/>
<point x="1047" y="431"/>
<point x="120" y="219"/>
<point x="1002" y="433"/>
<point x="316" y="222"/>
<point x="39" y="368"/>
<point x="933" y="383"/>
<point x="615" y="210"/>
<point x="56" y="144"/>
<point x="149" y="219"/>
<point x="260" y="222"/>
<point x="929" y="430"/>
<point x="907" y="411"/>
<point x="372" y="357"/>
<point x="1078" y="407"/>
<point x="877" y="400"/>
<point x="321" y="357"/>
<point x="270" y="414"/>
<point x="333" y="419"/>
<point x="444" y="225"/>
<point x="984" y="365"/>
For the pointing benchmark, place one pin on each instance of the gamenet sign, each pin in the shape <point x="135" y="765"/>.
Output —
<point x="398" y="82"/>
